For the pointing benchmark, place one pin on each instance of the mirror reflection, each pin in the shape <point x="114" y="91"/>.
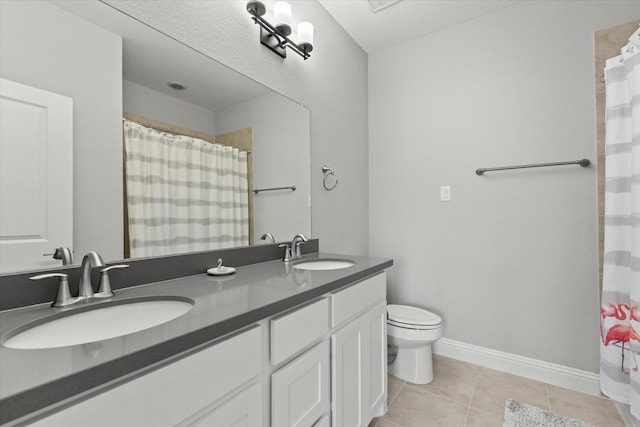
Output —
<point x="109" y="67"/>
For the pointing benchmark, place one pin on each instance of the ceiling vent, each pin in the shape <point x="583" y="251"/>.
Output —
<point x="378" y="5"/>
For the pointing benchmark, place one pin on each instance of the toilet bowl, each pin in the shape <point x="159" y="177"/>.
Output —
<point x="412" y="330"/>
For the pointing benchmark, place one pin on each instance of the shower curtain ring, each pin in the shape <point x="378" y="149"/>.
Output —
<point x="327" y="172"/>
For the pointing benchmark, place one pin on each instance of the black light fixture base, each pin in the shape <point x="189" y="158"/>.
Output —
<point x="272" y="42"/>
<point x="306" y="48"/>
<point x="256" y="8"/>
<point x="275" y="38"/>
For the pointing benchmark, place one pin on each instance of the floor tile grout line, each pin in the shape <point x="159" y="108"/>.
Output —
<point x="396" y="396"/>
<point x="473" y="391"/>
<point x="420" y="390"/>
<point x="546" y="388"/>
<point x="390" y="404"/>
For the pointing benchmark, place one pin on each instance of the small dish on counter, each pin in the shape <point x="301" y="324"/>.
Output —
<point x="221" y="270"/>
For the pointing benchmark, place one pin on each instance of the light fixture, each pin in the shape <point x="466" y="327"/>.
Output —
<point x="275" y="37"/>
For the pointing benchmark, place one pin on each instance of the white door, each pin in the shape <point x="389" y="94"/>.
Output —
<point x="349" y="374"/>
<point x="36" y="176"/>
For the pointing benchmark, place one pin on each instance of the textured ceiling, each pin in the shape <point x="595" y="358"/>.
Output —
<point x="406" y="19"/>
<point x="152" y="59"/>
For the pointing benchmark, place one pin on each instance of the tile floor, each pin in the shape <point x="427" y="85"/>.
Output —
<point x="466" y="395"/>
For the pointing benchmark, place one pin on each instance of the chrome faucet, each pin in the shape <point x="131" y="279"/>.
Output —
<point x="269" y="236"/>
<point x="298" y="239"/>
<point x="85" y="289"/>
<point x="90" y="260"/>
<point x="64" y="253"/>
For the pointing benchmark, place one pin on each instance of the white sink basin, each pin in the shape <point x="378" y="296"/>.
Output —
<point x="323" y="264"/>
<point x="97" y="324"/>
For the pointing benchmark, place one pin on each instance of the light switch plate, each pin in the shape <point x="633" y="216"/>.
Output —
<point x="445" y="193"/>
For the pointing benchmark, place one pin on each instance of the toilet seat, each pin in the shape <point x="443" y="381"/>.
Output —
<point x="404" y="316"/>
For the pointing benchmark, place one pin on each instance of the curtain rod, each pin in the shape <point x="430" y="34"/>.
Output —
<point x="175" y="132"/>
<point x="582" y="162"/>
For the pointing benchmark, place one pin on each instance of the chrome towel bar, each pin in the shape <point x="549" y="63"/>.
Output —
<point x="259" y="190"/>
<point x="582" y="162"/>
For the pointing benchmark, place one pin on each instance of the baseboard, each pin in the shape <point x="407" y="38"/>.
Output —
<point x="558" y="375"/>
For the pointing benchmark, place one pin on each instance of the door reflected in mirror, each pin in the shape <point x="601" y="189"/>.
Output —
<point x="109" y="64"/>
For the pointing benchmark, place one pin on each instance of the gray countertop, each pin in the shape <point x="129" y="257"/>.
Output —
<point x="34" y="379"/>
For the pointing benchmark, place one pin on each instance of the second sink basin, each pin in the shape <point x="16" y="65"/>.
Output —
<point x="323" y="264"/>
<point x="100" y="322"/>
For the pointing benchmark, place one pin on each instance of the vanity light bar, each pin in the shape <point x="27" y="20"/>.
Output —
<point x="275" y="36"/>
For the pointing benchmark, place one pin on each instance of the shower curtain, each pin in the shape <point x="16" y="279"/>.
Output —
<point x="620" y="306"/>
<point x="183" y="194"/>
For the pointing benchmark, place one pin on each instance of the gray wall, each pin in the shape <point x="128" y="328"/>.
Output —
<point x="40" y="48"/>
<point x="332" y="83"/>
<point x="149" y="103"/>
<point x="511" y="262"/>
<point x="280" y="158"/>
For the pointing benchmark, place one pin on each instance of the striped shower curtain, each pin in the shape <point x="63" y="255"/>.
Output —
<point x="620" y="307"/>
<point x="183" y="194"/>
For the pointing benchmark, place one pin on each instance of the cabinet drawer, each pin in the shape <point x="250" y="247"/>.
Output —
<point x="295" y="330"/>
<point x="176" y="391"/>
<point x="300" y="390"/>
<point x="349" y="302"/>
<point x="243" y="410"/>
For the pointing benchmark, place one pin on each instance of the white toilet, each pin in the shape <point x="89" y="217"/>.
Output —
<point x="412" y="330"/>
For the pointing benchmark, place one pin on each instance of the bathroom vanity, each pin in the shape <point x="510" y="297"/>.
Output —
<point x="270" y="345"/>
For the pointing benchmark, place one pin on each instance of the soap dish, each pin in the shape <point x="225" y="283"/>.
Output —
<point x="220" y="270"/>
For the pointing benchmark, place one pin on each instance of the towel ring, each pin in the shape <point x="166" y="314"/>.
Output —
<point x="327" y="172"/>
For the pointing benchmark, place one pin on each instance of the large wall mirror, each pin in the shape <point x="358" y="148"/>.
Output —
<point x="110" y="65"/>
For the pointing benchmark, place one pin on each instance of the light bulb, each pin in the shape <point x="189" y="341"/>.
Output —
<point x="282" y="17"/>
<point x="305" y="33"/>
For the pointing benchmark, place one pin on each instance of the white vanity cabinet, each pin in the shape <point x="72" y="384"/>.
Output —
<point x="377" y="386"/>
<point x="300" y="392"/>
<point x="321" y="364"/>
<point x="359" y="353"/>
<point x="243" y="410"/>
<point x="174" y="394"/>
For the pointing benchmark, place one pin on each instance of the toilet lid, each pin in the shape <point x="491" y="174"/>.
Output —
<point x="412" y="315"/>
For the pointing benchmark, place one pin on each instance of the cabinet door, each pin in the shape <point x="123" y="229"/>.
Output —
<point x="300" y="390"/>
<point x="349" y="374"/>
<point x="378" y="360"/>
<point x="323" y="422"/>
<point x="244" y="410"/>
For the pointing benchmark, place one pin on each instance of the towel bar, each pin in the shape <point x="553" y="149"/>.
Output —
<point x="582" y="162"/>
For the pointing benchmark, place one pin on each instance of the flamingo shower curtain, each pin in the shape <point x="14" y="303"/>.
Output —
<point x="183" y="194"/>
<point x="620" y="307"/>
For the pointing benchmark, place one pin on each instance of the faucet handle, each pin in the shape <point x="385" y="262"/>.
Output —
<point x="63" y="296"/>
<point x="298" y="240"/>
<point x="297" y="249"/>
<point x="287" y="252"/>
<point x="104" y="288"/>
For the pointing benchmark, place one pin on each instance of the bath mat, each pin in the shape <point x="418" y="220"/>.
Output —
<point x="518" y="414"/>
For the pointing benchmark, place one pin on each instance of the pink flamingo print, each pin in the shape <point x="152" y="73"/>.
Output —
<point x="620" y="334"/>
<point x="608" y="309"/>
